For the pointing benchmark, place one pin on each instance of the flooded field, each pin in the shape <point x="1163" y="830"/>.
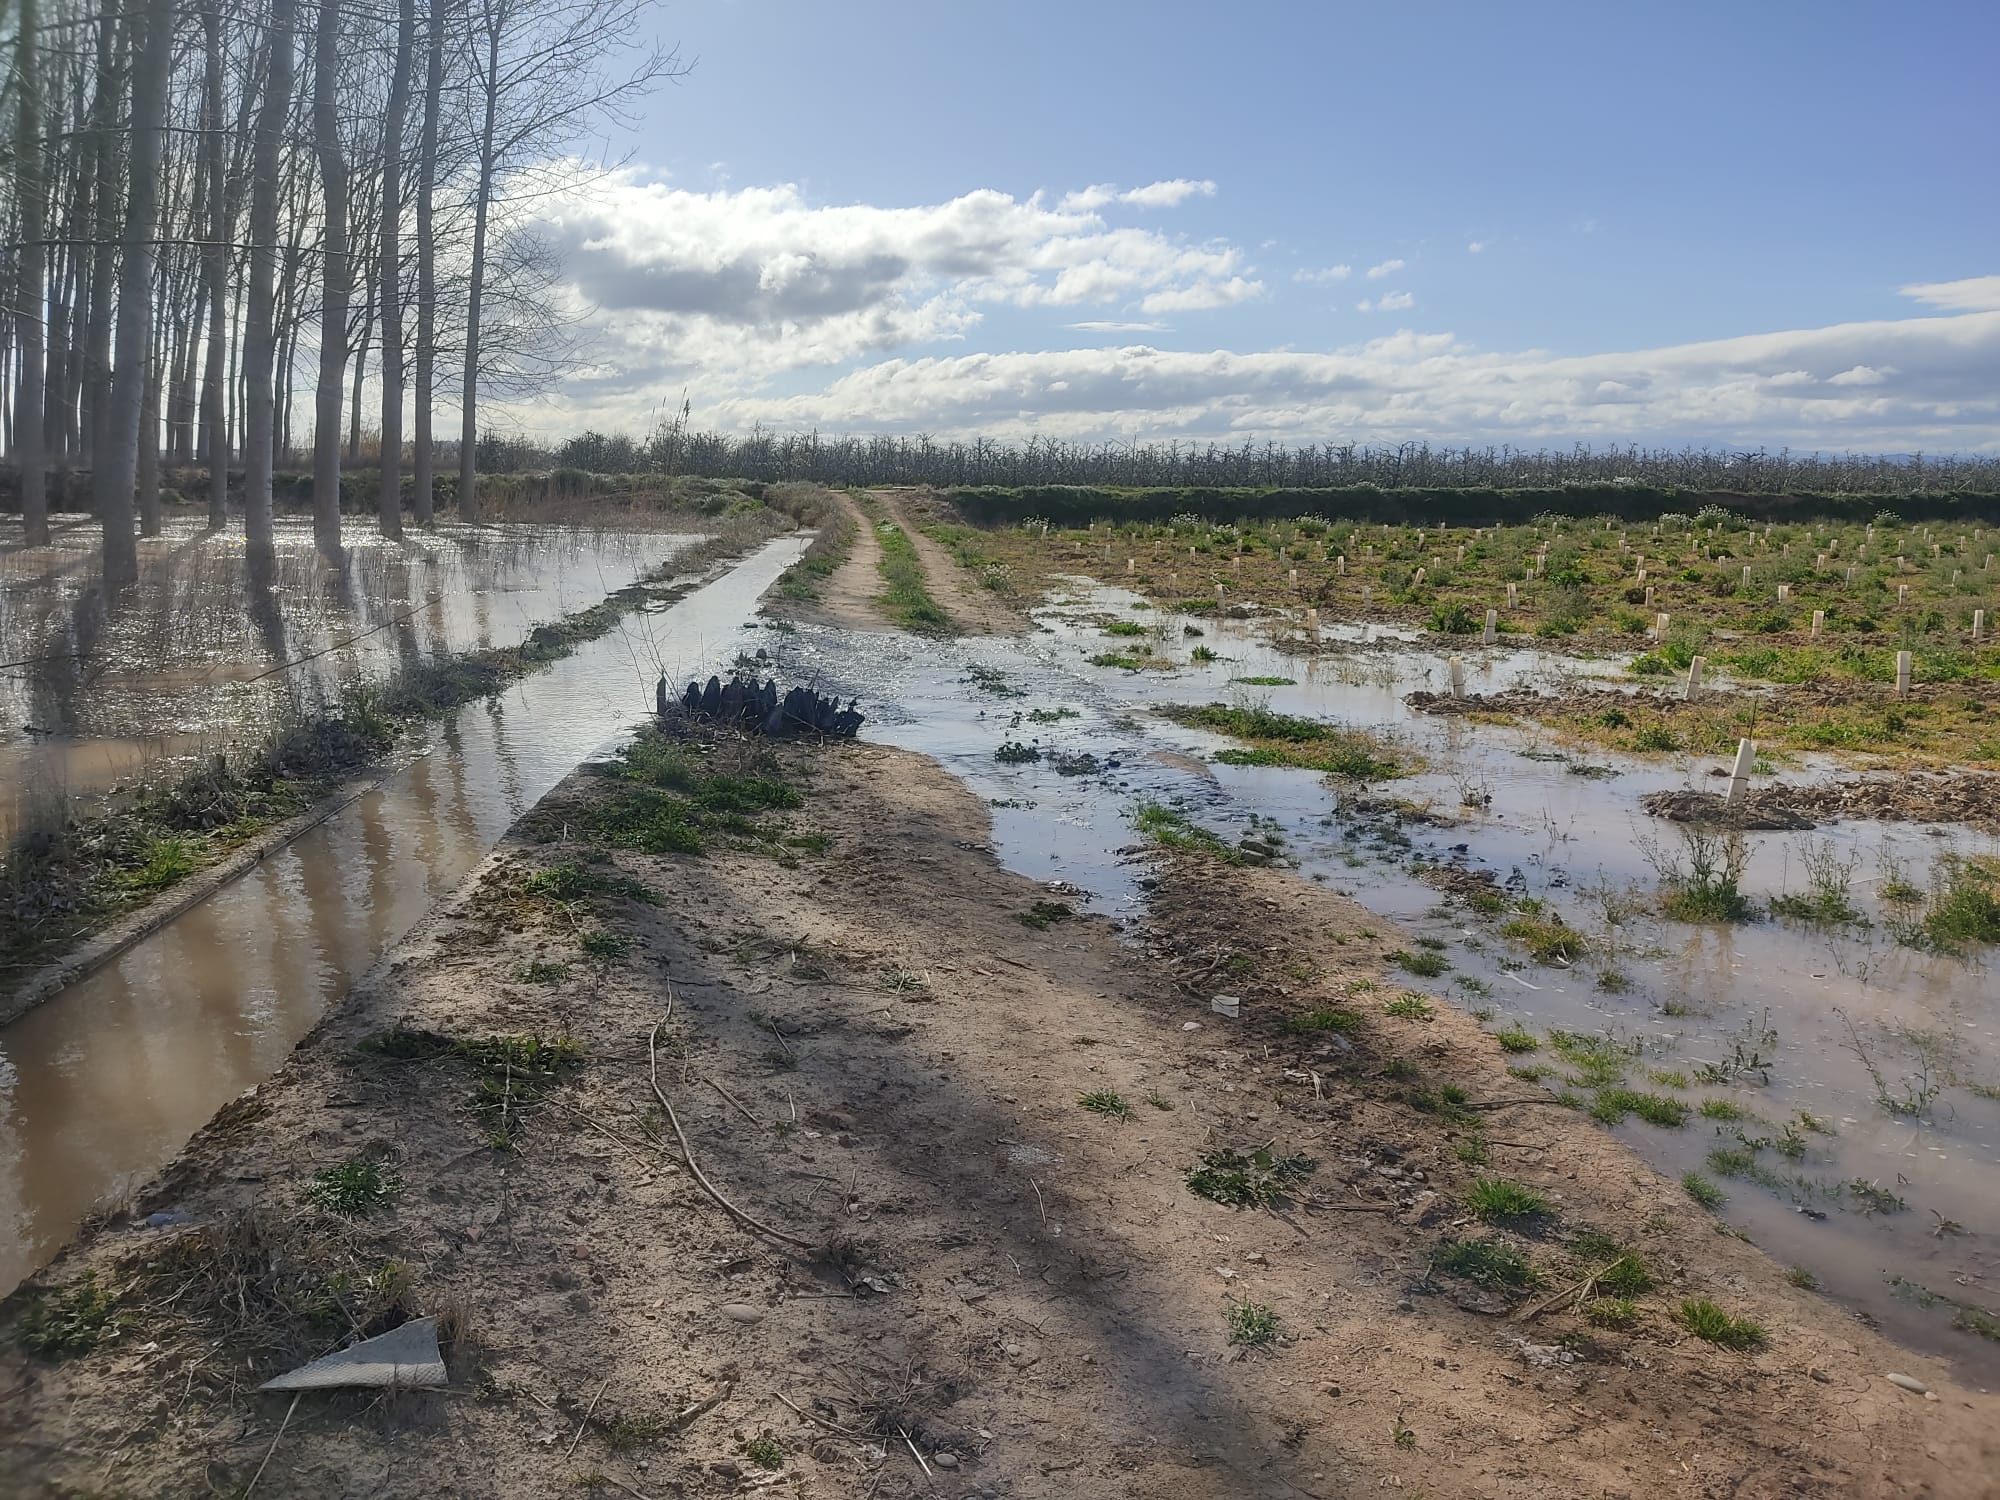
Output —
<point x="1840" y="1091"/>
<point x="1837" y="1091"/>
<point x="103" y="1083"/>
<point x="105" y="689"/>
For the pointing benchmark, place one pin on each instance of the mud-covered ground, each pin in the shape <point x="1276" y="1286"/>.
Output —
<point x="959" y="1280"/>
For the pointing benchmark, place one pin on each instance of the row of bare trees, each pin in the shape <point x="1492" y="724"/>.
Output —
<point x="675" y="447"/>
<point x="200" y="193"/>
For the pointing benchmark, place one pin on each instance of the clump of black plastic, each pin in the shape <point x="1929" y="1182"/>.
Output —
<point x="758" y="708"/>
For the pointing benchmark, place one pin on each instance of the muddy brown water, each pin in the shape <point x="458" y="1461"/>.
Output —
<point x="106" y="687"/>
<point x="103" y="1083"/>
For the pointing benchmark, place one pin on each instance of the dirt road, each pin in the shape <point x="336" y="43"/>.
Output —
<point x="974" y="610"/>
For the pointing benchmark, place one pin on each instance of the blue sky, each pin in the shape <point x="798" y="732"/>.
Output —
<point x="1693" y="222"/>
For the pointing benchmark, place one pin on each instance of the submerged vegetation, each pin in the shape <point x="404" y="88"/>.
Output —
<point x="1275" y="739"/>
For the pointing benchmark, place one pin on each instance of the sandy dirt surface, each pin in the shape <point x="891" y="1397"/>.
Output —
<point x="966" y="1283"/>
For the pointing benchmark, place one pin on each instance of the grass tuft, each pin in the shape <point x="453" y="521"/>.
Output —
<point x="1247" y="1179"/>
<point x="354" y="1187"/>
<point x="1251" y="1324"/>
<point x="1105" y="1102"/>
<point x="1705" y="1320"/>
<point x="1497" y="1200"/>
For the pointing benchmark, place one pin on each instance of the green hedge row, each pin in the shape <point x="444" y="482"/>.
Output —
<point x="1075" y="505"/>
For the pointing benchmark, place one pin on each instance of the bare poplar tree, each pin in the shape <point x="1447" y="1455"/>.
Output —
<point x="215" y="267"/>
<point x="536" y="68"/>
<point x="335" y="277"/>
<point x="391" y="503"/>
<point x="259" y="335"/>
<point x="115" y="471"/>
<point x="31" y="297"/>
<point x="426" y="358"/>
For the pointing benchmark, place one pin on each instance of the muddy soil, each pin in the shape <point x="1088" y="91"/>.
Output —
<point x="1916" y="796"/>
<point x="872" y="1054"/>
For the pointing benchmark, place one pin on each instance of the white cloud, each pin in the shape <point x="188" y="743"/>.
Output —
<point x="1386" y="268"/>
<point x="1940" y="388"/>
<point x="1168" y="194"/>
<point x="769" y="308"/>
<point x="740" y="286"/>
<point x="1202" y="294"/>
<point x="1974" y="294"/>
<point x="1477" y="247"/>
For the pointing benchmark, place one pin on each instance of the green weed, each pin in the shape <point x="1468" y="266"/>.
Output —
<point x="1247" y="1179"/>
<point x="354" y="1187"/>
<point x="1497" y="1200"/>
<point x="1705" y="1320"/>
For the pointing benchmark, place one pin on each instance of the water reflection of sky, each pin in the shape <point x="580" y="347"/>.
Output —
<point x="115" y="685"/>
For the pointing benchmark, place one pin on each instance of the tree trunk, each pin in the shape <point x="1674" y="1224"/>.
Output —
<point x="468" y="433"/>
<point x="30" y="295"/>
<point x="361" y="361"/>
<point x="116" y="469"/>
<point x="427" y="150"/>
<point x="96" y="400"/>
<point x="215" y="266"/>
<point x="334" y="281"/>
<point x="259" y="346"/>
<point x="390" y="503"/>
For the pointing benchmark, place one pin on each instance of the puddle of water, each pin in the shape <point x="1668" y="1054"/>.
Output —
<point x="104" y="1082"/>
<point x="1694" y="993"/>
<point x="115" y="686"/>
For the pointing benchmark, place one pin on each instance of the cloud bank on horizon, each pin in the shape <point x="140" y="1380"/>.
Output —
<point x="770" y="309"/>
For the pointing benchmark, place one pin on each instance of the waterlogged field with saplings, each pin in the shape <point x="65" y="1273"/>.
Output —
<point x="1377" y="898"/>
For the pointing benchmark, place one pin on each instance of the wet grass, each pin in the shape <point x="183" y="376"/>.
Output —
<point x="1703" y="1191"/>
<point x="1171" y="828"/>
<point x="1613" y="1105"/>
<point x="1423" y="963"/>
<point x="806" y="579"/>
<point x="1274" y="739"/>
<point x="1043" y="913"/>
<point x="1546" y="938"/>
<point x="905" y="595"/>
<point x="1517" y="1039"/>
